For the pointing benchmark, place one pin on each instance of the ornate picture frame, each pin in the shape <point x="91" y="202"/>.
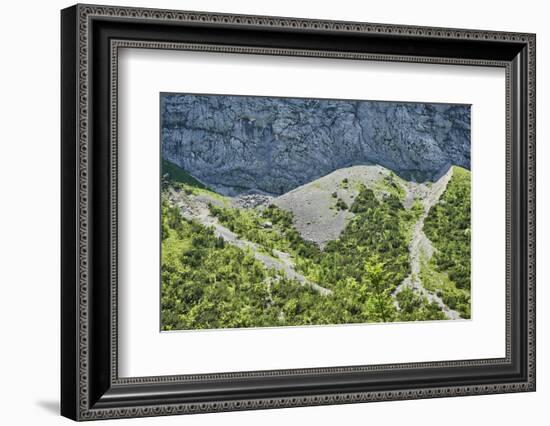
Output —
<point x="91" y="37"/>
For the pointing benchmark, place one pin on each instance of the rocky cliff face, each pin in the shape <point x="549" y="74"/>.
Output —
<point x="237" y="143"/>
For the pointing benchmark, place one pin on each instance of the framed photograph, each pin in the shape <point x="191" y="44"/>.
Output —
<point x="263" y="212"/>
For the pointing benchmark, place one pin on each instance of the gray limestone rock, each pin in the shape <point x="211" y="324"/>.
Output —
<point x="236" y="144"/>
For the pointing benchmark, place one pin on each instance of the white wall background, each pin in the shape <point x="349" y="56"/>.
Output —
<point x="29" y="212"/>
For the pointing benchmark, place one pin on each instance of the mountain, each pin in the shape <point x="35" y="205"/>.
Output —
<point x="235" y="144"/>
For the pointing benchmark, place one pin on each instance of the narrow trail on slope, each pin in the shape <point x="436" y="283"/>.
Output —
<point x="199" y="211"/>
<point x="420" y="247"/>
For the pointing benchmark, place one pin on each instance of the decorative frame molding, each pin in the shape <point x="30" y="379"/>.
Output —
<point x="91" y="388"/>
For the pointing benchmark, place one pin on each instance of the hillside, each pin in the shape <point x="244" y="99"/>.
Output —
<point x="177" y="175"/>
<point x="348" y="247"/>
<point x="321" y="209"/>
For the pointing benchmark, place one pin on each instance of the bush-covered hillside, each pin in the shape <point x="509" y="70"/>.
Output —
<point x="178" y="175"/>
<point x="448" y="226"/>
<point x="209" y="283"/>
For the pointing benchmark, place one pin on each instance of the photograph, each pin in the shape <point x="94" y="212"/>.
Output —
<point x="273" y="208"/>
<point x="283" y="211"/>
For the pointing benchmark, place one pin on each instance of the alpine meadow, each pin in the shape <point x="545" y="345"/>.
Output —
<point x="296" y="211"/>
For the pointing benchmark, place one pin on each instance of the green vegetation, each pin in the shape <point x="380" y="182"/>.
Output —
<point x="448" y="227"/>
<point x="438" y="282"/>
<point x="375" y="230"/>
<point x="378" y="228"/>
<point x="341" y="204"/>
<point x="249" y="224"/>
<point x="345" y="183"/>
<point x="416" y="308"/>
<point x="196" y="188"/>
<point x="209" y="283"/>
<point x="177" y="175"/>
<point x="392" y="185"/>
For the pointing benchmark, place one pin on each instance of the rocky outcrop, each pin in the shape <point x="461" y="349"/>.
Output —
<point x="236" y="144"/>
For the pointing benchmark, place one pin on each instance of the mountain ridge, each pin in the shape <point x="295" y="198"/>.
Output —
<point x="235" y="144"/>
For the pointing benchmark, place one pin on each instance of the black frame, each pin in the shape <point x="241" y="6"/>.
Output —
<point x="91" y="37"/>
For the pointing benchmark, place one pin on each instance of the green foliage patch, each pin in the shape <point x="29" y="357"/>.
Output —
<point x="178" y="175"/>
<point x="448" y="226"/>
<point x="207" y="283"/>
<point x="414" y="307"/>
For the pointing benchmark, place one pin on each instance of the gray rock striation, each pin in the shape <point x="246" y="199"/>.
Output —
<point x="236" y="144"/>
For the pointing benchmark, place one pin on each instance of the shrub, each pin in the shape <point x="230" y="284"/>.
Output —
<point x="341" y="204"/>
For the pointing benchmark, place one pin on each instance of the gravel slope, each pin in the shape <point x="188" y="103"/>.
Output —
<point x="316" y="216"/>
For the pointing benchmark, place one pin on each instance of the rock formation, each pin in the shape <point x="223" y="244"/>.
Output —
<point x="236" y="144"/>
